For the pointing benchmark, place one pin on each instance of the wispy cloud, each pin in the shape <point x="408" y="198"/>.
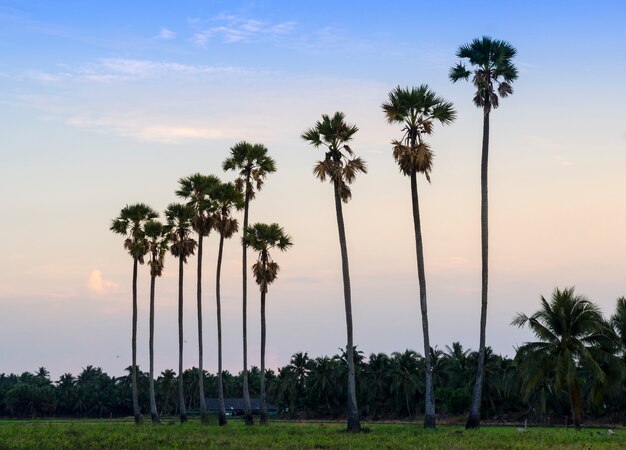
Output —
<point x="141" y="130"/>
<point x="230" y="29"/>
<point x="121" y="69"/>
<point x="166" y="34"/>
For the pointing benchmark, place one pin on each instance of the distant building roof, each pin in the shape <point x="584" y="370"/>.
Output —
<point x="237" y="404"/>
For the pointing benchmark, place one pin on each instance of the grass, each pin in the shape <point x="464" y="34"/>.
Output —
<point x="105" y="434"/>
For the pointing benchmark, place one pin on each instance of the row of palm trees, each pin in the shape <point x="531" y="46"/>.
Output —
<point x="417" y="110"/>
<point x="209" y="206"/>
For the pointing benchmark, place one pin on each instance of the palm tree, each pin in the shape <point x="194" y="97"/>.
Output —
<point x="226" y="197"/>
<point x="197" y="189"/>
<point x="262" y="238"/>
<point x="416" y="109"/>
<point x="492" y="65"/>
<point x="180" y="219"/>
<point x="253" y="164"/>
<point x="573" y="336"/>
<point x="404" y="379"/>
<point x="157" y="236"/>
<point x="341" y="168"/>
<point x="130" y="224"/>
<point x="618" y="320"/>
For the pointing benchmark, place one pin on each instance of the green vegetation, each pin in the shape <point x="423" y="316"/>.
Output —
<point x="115" y="435"/>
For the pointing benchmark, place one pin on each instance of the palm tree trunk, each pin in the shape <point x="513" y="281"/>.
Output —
<point x="181" y="390"/>
<point x="263" y="325"/>
<point x="354" y="424"/>
<point x="136" y="411"/>
<point x="204" y="418"/>
<point x="154" y="413"/>
<point x="429" y="407"/>
<point x="473" y="420"/>
<point x="247" y="407"/>
<point x="575" y="401"/>
<point x="220" y="381"/>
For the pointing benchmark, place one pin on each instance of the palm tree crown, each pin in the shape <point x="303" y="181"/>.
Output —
<point x="226" y="197"/>
<point x="253" y="164"/>
<point x="334" y="134"/>
<point x="493" y="66"/>
<point x="197" y="189"/>
<point x="180" y="218"/>
<point x="262" y="238"/>
<point x="417" y="109"/>
<point x="130" y="223"/>
<point x="618" y="320"/>
<point x="157" y="238"/>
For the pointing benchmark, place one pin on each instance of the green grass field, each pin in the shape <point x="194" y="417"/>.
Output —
<point x="77" y="434"/>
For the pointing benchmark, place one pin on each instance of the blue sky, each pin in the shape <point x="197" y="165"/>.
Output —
<point x="108" y="103"/>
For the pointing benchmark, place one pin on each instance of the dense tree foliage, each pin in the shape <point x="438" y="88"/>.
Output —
<point x="388" y="387"/>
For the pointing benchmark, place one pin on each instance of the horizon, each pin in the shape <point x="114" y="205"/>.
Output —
<point x="111" y="104"/>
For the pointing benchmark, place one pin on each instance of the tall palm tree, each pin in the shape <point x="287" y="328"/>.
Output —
<point x="157" y="236"/>
<point x="417" y="109"/>
<point x="253" y="164"/>
<point x="130" y="224"/>
<point x="196" y="189"/>
<point x="493" y="72"/>
<point x="341" y="167"/>
<point x="226" y="197"/>
<point x="262" y="238"/>
<point x="180" y="219"/>
<point x="573" y="336"/>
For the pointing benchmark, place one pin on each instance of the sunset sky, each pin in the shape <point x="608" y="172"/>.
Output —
<point x="103" y="104"/>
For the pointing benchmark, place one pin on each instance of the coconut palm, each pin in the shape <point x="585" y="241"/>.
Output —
<point x="573" y="338"/>
<point x="417" y="109"/>
<point x="226" y="197"/>
<point x="196" y="189"/>
<point x="180" y="220"/>
<point x="252" y="164"/>
<point x="404" y="376"/>
<point x="262" y="238"/>
<point x="493" y="72"/>
<point x="618" y="320"/>
<point x="130" y="224"/>
<point x="157" y="236"/>
<point x="341" y="167"/>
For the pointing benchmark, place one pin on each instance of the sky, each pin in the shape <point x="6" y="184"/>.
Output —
<point x="104" y="104"/>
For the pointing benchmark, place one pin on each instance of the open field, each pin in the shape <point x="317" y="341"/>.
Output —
<point x="93" y="434"/>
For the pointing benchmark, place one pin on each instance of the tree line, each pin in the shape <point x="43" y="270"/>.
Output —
<point x="575" y="369"/>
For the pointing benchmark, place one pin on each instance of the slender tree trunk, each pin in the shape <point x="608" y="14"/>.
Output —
<point x="473" y="420"/>
<point x="181" y="390"/>
<point x="220" y="381"/>
<point x="136" y="410"/>
<point x="354" y="423"/>
<point x="247" y="407"/>
<point x="429" y="407"/>
<point x="263" y="331"/>
<point x="154" y="413"/>
<point x="204" y="418"/>
<point x="575" y="401"/>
